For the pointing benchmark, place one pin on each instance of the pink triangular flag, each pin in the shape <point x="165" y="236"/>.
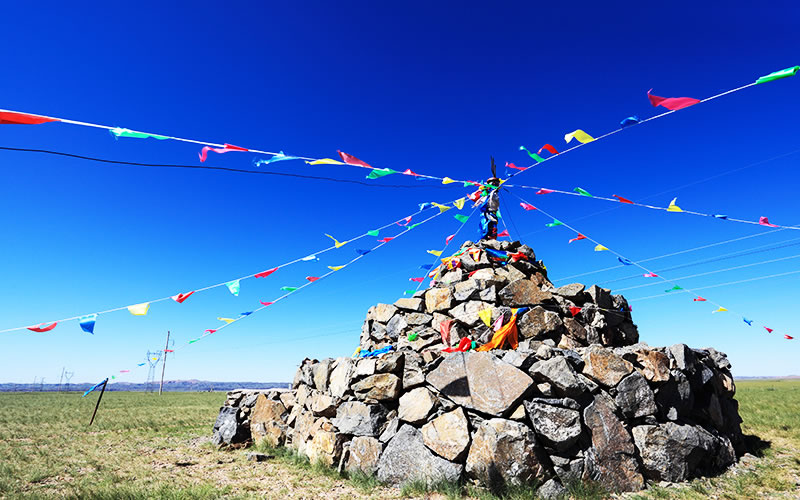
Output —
<point x="504" y="233"/>
<point x="544" y="191"/>
<point x="527" y="206"/>
<point x="449" y="239"/>
<point x="765" y="222"/>
<point x="650" y="275"/>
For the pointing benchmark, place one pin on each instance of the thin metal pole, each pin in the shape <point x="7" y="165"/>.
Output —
<point x="105" y="382"/>
<point x="163" y="366"/>
<point x="62" y="378"/>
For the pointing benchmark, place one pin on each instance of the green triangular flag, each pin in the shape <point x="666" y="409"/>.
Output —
<point x="412" y="226"/>
<point x="373" y="232"/>
<point x="124" y="132"/>
<point x="409" y="292"/>
<point x="784" y="73"/>
<point x="536" y="157"/>
<point x="555" y="223"/>
<point x="676" y="287"/>
<point x="413" y="336"/>
<point x="583" y="192"/>
<point x="380" y="172"/>
<point x="288" y="288"/>
<point x="193" y="341"/>
<point x="461" y="218"/>
<point x="233" y="286"/>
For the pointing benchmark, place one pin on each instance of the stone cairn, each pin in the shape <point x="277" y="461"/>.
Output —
<point x="580" y="398"/>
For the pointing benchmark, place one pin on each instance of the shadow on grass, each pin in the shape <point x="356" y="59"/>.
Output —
<point x="755" y="445"/>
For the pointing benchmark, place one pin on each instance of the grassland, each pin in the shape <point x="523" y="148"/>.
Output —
<point x="146" y="446"/>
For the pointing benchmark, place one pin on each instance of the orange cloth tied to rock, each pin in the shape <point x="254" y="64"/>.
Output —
<point x="506" y="332"/>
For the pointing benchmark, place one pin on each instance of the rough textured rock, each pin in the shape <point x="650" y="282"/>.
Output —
<point x="359" y="419"/>
<point x="384" y="312"/>
<point x="634" y="397"/>
<point x="468" y="312"/>
<point x="604" y="366"/>
<point x="655" y="365"/>
<point x="480" y="381"/>
<point x="226" y="428"/>
<point x="521" y="293"/>
<point x="325" y="447"/>
<point x="560" y="375"/>
<point x="556" y="426"/>
<point x="340" y="377"/>
<point x="416" y="405"/>
<point x="438" y="299"/>
<point x="504" y="451"/>
<point x="448" y="434"/>
<point x="406" y="458"/>
<point x="380" y="387"/>
<point x="410" y="304"/>
<point x="612" y="458"/>
<point x="364" y="454"/>
<point x="539" y="322"/>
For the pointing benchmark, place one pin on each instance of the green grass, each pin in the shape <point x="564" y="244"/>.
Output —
<point x="146" y="446"/>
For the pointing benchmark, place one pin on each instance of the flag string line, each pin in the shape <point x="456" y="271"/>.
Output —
<point x="676" y="287"/>
<point x="208" y="333"/>
<point x="224" y="283"/>
<point x="748" y="280"/>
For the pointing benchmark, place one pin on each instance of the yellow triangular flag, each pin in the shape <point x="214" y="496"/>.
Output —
<point x="459" y="203"/>
<point x="600" y="248"/>
<point x="580" y="135"/>
<point x="227" y="320"/>
<point x="442" y="208"/>
<point x="325" y="161"/>
<point x="139" y="309"/>
<point x="673" y="207"/>
<point x="335" y="268"/>
<point x="486" y="316"/>
<point x="721" y="309"/>
<point x="448" y="180"/>
<point x="503" y="181"/>
<point x="437" y="253"/>
<point x="336" y="242"/>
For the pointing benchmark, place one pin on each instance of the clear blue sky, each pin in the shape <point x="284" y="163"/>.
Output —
<point x="435" y="88"/>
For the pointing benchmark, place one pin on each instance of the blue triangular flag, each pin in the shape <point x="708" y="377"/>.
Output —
<point x="87" y="323"/>
<point x="625" y="262"/>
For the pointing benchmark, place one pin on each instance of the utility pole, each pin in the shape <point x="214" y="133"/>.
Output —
<point x="62" y="378"/>
<point x="164" y="366"/>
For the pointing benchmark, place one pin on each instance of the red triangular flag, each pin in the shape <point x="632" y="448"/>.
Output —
<point x="181" y="297"/>
<point x="312" y="278"/>
<point x="765" y="222"/>
<point x="549" y="148"/>
<point x="266" y="273"/>
<point x="511" y="165"/>
<point x="352" y="160"/>
<point x="527" y="206"/>
<point x="169" y="350"/>
<point x="449" y="239"/>
<point x="699" y="299"/>
<point x="266" y="303"/>
<point x="210" y="331"/>
<point x="788" y="337"/>
<point x="418" y="280"/>
<point x="574" y="310"/>
<point x="768" y="329"/>
<point x="622" y="200"/>
<point x="386" y="240"/>
<point x="409" y="172"/>
<point x="671" y="103"/>
<point x="12" y="118"/>
<point x="517" y="256"/>
<point x="40" y="328"/>
<point x="544" y="191"/>
<point x="503" y="233"/>
<point x="405" y="221"/>
<point x="235" y="148"/>
<point x="578" y="238"/>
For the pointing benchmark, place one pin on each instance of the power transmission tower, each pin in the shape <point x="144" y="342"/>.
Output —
<point x="68" y="376"/>
<point x="164" y="365"/>
<point x="153" y="358"/>
<point x="61" y="379"/>
<point x="41" y="385"/>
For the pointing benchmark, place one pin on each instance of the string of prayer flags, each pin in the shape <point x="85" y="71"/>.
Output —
<point x="579" y="135"/>
<point x="278" y="157"/>
<point x="309" y="257"/>
<point x="511" y="165"/>
<point x="409" y="292"/>
<point x="527" y="206"/>
<point x="650" y="275"/>
<point x="336" y="242"/>
<point x="416" y="280"/>
<point x="288" y="288"/>
<point x="312" y="278"/>
<point x="408" y="171"/>
<point x="386" y="239"/>
<point x="424" y="205"/>
<point x="486" y="316"/>
<point x="442" y="208"/>
<point x="776" y="75"/>
<point x="674" y="288"/>
<point x="461" y="218"/>
<point x="622" y="200"/>
<point x="334" y="268"/>
<point x="555" y="223"/>
<point x="362" y="252"/>
<point x="227" y="321"/>
<point x="265" y="304"/>
<point x="448" y="180"/>
<point x="578" y="238"/>
<point x="600" y="248"/>
<point x="124" y="132"/>
<point x="14" y="118"/>
<point x="226" y="149"/>
<point x="459" y="203"/>
<point x="373" y="232"/>
<point x="719" y="216"/>
<point x="139" y="309"/>
<point x="95" y="386"/>
<point x="536" y="157"/>
<point x="233" y="287"/>
<point x="264" y="274"/>
<point x="87" y="323"/>
<point x="624" y="261"/>
<point x="124" y="371"/>
<point x="169" y="350"/>
<point x="181" y="297"/>
<point x="412" y="226"/>
<point x="325" y="161"/>
<point x="142" y="364"/>
<point x="503" y="233"/>
<point x="41" y="328"/>
<point x="544" y="191"/>
<point x="246" y="313"/>
<point x="629" y="121"/>
<point x="437" y="253"/>
<point x="582" y="192"/>
<point x="449" y="239"/>
<point x="380" y="172"/>
<point x="549" y="148"/>
<point x="210" y="331"/>
<point x="671" y="103"/>
<point x="698" y="299"/>
<point x="788" y="337"/>
<point x="404" y="222"/>
<point x="719" y="309"/>
<point x="352" y="160"/>
<point x="769" y="330"/>
<point x="765" y="222"/>
<point x="673" y="207"/>
<point x="748" y="321"/>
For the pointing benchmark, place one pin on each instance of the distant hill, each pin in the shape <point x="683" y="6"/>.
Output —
<point x="169" y="385"/>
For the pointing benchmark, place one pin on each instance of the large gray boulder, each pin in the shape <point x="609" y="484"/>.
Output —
<point x="560" y="374"/>
<point x="227" y="429"/>
<point x="359" y="419"/>
<point x="480" y="381"/>
<point x="505" y="451"/>
<point x="634" y="397"/>
<point x="406" y="458"/>
<point x="448" y="434"/>
<point x="558" y="427"/>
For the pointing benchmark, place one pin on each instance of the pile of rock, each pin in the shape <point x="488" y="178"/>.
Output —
<point x="578" y="399"/>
